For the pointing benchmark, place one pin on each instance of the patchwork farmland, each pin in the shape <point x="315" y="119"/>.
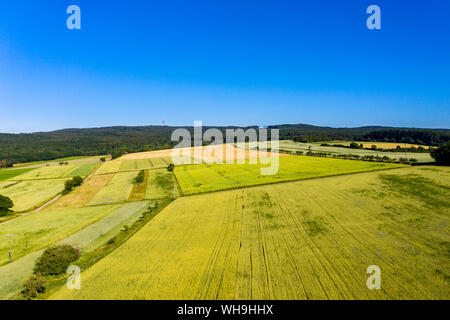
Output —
<point x="300" y="240"/>
<point x="308" y="232"/>
<point x="291" y="146"/>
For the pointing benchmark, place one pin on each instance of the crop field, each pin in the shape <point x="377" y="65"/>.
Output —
<point x="160" y="184"/>
<point x="204" y="178"/>
<point x="30" y="193"/>
<point x="139" y="189"/>
<point x="91" y="237"/>
<point x="384" y="145"/>
<point x="216" y="153"/>
<point x="118" y="189"/>
<point x="6" y="174"/>
<point x="123" y="165"/>
<point x="292" y="146"/>
<point x="69" y="160"/>
<point x="311" y="239"/>
<point x="39" y="230"/>
<point x="55" y="172"/>
<point x="80" y="196"/>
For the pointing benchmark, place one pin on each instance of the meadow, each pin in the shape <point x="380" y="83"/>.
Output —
<point x="55" y="172"/>
<point x="55" y="162"/>
<point x="291" y="146"/>
<point x="383" y="145"/>
<point x="123" y="164"/>
<point x="29" y="194"/>
<point x="12" y="275"/>
<point x="160" y="184"/>
<point x="9" y="173"/>
<point x="311" y="239"/>
<point x="116" y="190"/>
<point x="81" y="195"/>
<point x="39" y="230"/>
<point x="212" y="177"/>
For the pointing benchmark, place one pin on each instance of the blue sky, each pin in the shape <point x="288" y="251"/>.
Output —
<point x="223" y="62"/>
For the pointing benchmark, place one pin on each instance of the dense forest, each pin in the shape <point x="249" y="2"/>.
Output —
<point x="308" y="133"/>
<point x="17" y="148"/>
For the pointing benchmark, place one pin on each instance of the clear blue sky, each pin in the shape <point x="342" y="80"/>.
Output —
<point x="224" y="62"/>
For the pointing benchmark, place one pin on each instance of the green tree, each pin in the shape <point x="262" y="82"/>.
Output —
<point x="171" y="167"/>
<point x="102" y="159"/>
<point x="77" y="181"/>
<point x="354" y="145"/>
<point x="5" y="203"/>
<point x="56" y="259"/>
<point x="116" y="154"/>
<point x="68" y="186"/>
<point x="442" y="154"/>
<point x="33" y="286"/>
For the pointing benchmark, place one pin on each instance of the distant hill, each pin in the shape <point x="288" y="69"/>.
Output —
<point x="15" y="148"/>
<point x="309" y="133"/>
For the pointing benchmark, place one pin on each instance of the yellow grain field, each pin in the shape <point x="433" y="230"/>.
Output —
<point x="29" y="194"/>
<point x="311" y="239"/>
<point x="81" y="195"/>
<point x="118" y="189"/>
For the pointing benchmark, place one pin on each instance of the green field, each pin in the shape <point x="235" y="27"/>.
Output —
<point x="71" y="160"/>
<point x="311" y="239"/>
<point x="117" y="190"/>
<point x="6" y="174"/>
<point x="291" y="146"/>
<point x="55" y="172"/>
<point x="205" y="178"/>
<point x="122" y="165"/>
<point x="39" y="230"/>
<point x="29" y="194"/>
<point x="160" y="184"/>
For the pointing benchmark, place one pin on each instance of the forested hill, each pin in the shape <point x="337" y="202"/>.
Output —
<point x="309" y="133"/>
<point x="16" y="148"/>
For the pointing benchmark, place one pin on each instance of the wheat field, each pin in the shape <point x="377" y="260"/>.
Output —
<point x="311" y="239"/>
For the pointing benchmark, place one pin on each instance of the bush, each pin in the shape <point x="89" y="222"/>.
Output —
<point x="102" y="159"/>
<point x="442" y="154"/>
<point x="55" y="260"/>
<point x="33" y="286"/>
<point x="171" y="167"/>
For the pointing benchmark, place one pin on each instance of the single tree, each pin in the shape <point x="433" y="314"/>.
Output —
<point x="77" y="181"/>
<point x="442" y="154"/>
<point x="68" y="186"/>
